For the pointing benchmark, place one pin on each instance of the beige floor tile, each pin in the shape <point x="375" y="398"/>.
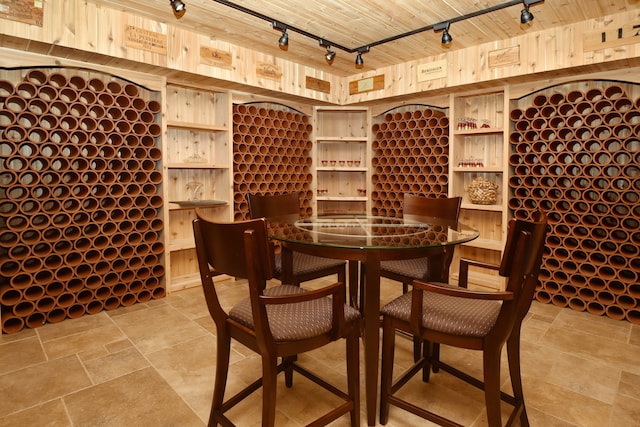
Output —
<point x="90" y="340"/>
<point x="114" y="365"/>
<point x="49" y="414"/>
<point x="69" y="327"/>
<point x="189" y="368"/>
<point x="585" y="344"/>
<point x="141" y="398"/>
<point x="29" y="350"/>
<point x="40" y="383"/>
<point x="169" y="327"/>
<point x="565" y="404"/>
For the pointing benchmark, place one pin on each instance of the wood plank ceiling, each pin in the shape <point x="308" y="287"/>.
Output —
<point x="356" y="23"/>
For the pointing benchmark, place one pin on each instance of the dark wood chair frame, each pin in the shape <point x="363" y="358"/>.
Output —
<point x="243" y="250"/>
<point x="520" y="264"/>
<point x="416" y="207"/>
<point x="288" y="205"/>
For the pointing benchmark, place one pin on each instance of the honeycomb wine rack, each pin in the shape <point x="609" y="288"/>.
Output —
<point x="576" y="155"/>
<point x="80" y="211"/>
<point x="271" y="154"/>
<point x="410" y="155"/>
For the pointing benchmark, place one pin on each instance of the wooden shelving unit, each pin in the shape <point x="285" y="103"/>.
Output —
<point x="341" y="156"/>
<point x="479" y="149"/>
<point x="198" y="172"/>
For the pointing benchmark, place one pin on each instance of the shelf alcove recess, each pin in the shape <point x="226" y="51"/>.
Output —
<point x="478" y="150"/>
<point x="341" y="156"/>
<point x="198" y="167"/>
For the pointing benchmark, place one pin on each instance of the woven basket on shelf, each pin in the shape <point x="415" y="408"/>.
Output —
<point x="482" y="191"/>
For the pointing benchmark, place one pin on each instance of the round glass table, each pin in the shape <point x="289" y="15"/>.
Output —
<point x="369" y="240"/>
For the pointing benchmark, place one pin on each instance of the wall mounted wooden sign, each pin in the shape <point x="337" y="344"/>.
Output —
<point x="268" y="71"/>
<point x="139" y="38"/>
<point x="317" y="85"/>
<point x="504" y="57"/>
<point x="612" y="37"/>
<point x="432" y="70"/>
<point x="366" y="85"/>
<point x="27" y="11"/>
<point x="215" y="57"/>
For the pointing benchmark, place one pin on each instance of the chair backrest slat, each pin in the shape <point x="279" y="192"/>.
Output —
<point x="222" y="246"/>
<point x="415" y="207"/>
<point x="269" y="206"/>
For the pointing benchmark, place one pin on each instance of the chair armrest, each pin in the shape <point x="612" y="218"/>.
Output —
<point x="463" y="277"/>
<point x="455" y="291"/>
<point x="326" y="291"/>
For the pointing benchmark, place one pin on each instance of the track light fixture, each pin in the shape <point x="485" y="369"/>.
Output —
<point x="283" y="41"/>
<point x="526" y="16"/>
<point x="444" y="27"/>
<point x="178" y="6"/>
<point x="359" y="60"/>
<point x="331" y="54"/>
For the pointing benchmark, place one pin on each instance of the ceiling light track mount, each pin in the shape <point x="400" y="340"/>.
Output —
<point x="526" y="17"/>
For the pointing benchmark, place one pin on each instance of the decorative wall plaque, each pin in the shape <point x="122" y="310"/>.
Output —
<point x="504" y="57"/>
<point x="268" y="71"/>
<point x="139" y="38"/>
<point x="366" y="85"/>
<point x="432" y="70"/>
<point x="215" y="57"/>
<point x="317" y="85"/>
<point x="27" y="11"/>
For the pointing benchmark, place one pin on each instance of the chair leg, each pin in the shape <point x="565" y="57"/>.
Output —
<point x="435" y="357"/>
<point x="491" y="362"/>
<point x="353" y="375"/>
<point x="386" y="374"/>
<point x="513" y="355"/>
<point x="222" y="371"/>
<point x="405" y="288"/>
<point x="269" y="386"/>
<point x="288" y="370"/>
<point x="427" y="353"/>
<point x="417" y="348"/>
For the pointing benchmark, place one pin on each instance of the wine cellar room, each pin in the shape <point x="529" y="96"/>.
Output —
<point x="107" y="151"/>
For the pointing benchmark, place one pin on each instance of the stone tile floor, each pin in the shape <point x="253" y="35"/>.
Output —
<point x="153" y="365"/>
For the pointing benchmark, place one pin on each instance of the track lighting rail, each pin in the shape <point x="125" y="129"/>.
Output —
<point x="526" y="17"/>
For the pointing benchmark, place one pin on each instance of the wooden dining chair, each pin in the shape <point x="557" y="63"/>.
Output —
<point x="456" y="316"/>
<point x="305" y="267"/>
<point x="416" y="207"/>
<point x="278" y="322"/>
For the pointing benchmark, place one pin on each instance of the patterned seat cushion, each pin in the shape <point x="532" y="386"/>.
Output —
<point x="303" y="263"/>
<point x="415" y="268"/>
<point x="293" y="321"/>
<point x="448" y="314"/>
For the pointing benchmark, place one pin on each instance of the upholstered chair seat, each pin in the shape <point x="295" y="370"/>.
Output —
<point x="293" y="321"/>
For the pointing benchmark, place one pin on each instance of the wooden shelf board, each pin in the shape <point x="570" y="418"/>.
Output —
<point x="340" y="168"/>
<point x="476" y="207"/>
<point x="198" y="126"/>
<point x="342" y="199"/>
<point x="187" y="204"/>
<point x="479" y="131"/>
<point x="196" y="166"/>
<point x="181" y="244"/>
<point x="491" y="169"/>
<point x="337" y="139"/>
<point x="191" y="281"/>
<point x="492" y="245"/>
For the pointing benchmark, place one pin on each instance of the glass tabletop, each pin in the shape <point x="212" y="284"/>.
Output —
<point x="370" y="232"/>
